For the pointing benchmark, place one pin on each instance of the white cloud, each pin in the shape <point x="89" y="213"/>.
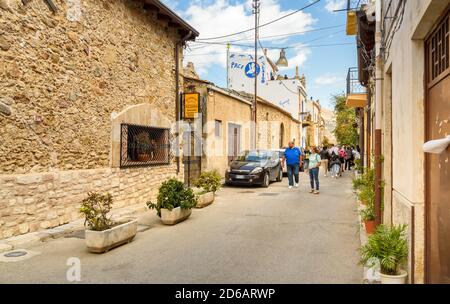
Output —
<point x="328" y="80"/>
<point x="333" y="5"/>
<point x="222" y="17"/>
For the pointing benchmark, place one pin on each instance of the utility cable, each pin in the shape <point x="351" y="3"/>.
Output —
<point x="262" y="25"/>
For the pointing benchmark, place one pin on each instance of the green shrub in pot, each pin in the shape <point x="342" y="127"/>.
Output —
<point x="173" y="194"/>
<point x="390" y="246"/>
<point x="95" y="209"/>
<point x="209" y="181"/>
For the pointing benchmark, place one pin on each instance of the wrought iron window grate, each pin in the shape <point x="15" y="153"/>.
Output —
<point x="144" y="146"/>
<point x="439" y="49"/>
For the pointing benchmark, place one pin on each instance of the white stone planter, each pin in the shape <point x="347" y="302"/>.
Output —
<point x="102" y="241"/>
<point x="389" y="279"/>
<point x="175" y="216"/>
<point x="205" y="200"/>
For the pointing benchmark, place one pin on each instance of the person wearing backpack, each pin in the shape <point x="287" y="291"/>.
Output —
<point x="325" y="157"/>
<point x="314" y="167"/>
<point x="342" y="155"/>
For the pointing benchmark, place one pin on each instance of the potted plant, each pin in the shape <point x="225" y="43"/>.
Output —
<point x="143" y="147"/>
<point x="368" y="218"/>
<point x="389" y="246"/>
<point x="102" y="234"/>
<point x="206" y="186"/>
<point x="174" y="202"/>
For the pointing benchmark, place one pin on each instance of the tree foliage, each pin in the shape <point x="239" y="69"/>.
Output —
<point x="345" y="132"/>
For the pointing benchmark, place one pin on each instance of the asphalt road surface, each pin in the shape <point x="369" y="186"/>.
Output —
<point x="249" y="235"/>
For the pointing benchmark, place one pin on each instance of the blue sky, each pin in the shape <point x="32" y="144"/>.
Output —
<point x="325" y="67"/>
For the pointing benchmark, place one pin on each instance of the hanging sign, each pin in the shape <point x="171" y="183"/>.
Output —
<point x="191" y="105"/>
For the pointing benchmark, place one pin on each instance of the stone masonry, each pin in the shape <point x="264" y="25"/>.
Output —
<point x="64" y="76"/>
<point x="62" y="79"/>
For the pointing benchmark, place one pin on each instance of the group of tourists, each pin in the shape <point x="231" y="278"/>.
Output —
<point x="333" y="160"/>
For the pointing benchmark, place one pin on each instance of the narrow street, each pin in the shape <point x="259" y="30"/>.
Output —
<point x="249" y="235"/>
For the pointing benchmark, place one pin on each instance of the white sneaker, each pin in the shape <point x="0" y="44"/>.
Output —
<point x="296" y="185"/>
<point x="290" y="187"/>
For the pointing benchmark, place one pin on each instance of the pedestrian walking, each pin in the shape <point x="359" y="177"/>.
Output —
<point x="335" y="164"/>
<point x="293" y="159"/>
<point x="325" y="156"/>
<point x="306" y="153"/>
<point x="314" y="168"/>
<point x="342" y="155"/>
<point x="348" y="158"/>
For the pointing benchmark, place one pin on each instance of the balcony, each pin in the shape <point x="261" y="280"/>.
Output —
<point x="307" y="119"/>
<point x="352" y="7"/>
<point x="356" y="93"/>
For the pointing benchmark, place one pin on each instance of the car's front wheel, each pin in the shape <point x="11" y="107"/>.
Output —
<point x="266" y="181"/>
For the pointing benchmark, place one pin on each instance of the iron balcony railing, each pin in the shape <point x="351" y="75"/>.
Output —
<point x="353" y="84"/>
<point x="355" y="5"/>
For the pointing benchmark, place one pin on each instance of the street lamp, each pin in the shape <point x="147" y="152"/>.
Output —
<point x="282" y="62"/>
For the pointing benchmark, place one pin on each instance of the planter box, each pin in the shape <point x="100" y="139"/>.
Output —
<point x="205" y="200"/>
<point x="175" y="216"/>
<point x="103" y="241"/>
<point x="389" y="279"/>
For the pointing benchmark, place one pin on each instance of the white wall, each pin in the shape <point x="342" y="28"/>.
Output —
<point x="283" y="93"/>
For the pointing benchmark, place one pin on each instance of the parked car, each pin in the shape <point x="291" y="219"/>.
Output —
<point x="255" y="167"/>
<point x="281" y="155"/>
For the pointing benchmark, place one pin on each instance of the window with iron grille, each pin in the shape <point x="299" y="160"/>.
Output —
<point x="438" y="48"/>
<point x="144" y="146"/>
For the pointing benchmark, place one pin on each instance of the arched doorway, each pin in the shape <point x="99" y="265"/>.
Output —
<point x="281" y="135"/>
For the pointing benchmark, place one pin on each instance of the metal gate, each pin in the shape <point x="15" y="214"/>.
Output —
<point x="437" y="108"/>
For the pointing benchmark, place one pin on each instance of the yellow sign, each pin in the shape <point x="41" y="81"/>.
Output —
<point x="190" y="105"/>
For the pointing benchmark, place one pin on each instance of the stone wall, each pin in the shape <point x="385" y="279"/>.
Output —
<point x="68" y="80"/>
<point x="270" y="121"/>
<point x="62" y="79"/>
<point x="30" y="202"/>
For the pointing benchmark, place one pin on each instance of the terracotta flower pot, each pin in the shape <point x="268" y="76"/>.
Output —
<point x="370" y="226"/>
<point x="143" y="157"/>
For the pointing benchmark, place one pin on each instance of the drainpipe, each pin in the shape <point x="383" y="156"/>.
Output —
<point x="378" y="111"/>
<point x="178" y="47"/>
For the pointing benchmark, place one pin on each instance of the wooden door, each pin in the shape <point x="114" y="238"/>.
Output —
<point x="438" y="166"/>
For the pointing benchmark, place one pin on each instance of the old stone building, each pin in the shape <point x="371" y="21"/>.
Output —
<point x="227" y="123"/>
<point x="83" y="89"/>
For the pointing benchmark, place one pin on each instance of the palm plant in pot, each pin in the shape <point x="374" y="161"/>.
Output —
<point x="389" y="246"/>
<point x="206" y="186"/>
<point x="368" y="218"/>
<point x="174" y="202"/>
<point x="103" y="234"/>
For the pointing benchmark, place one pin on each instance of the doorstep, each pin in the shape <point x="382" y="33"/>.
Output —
<point x="28" y="240"/>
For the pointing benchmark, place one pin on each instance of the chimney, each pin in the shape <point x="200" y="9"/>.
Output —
<point x="297" y="76"/>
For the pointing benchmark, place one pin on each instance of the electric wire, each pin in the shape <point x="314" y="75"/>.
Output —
<point x="262" y="25"/>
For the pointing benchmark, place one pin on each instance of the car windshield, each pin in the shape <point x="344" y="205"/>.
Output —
<point x="254" y="156"/>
